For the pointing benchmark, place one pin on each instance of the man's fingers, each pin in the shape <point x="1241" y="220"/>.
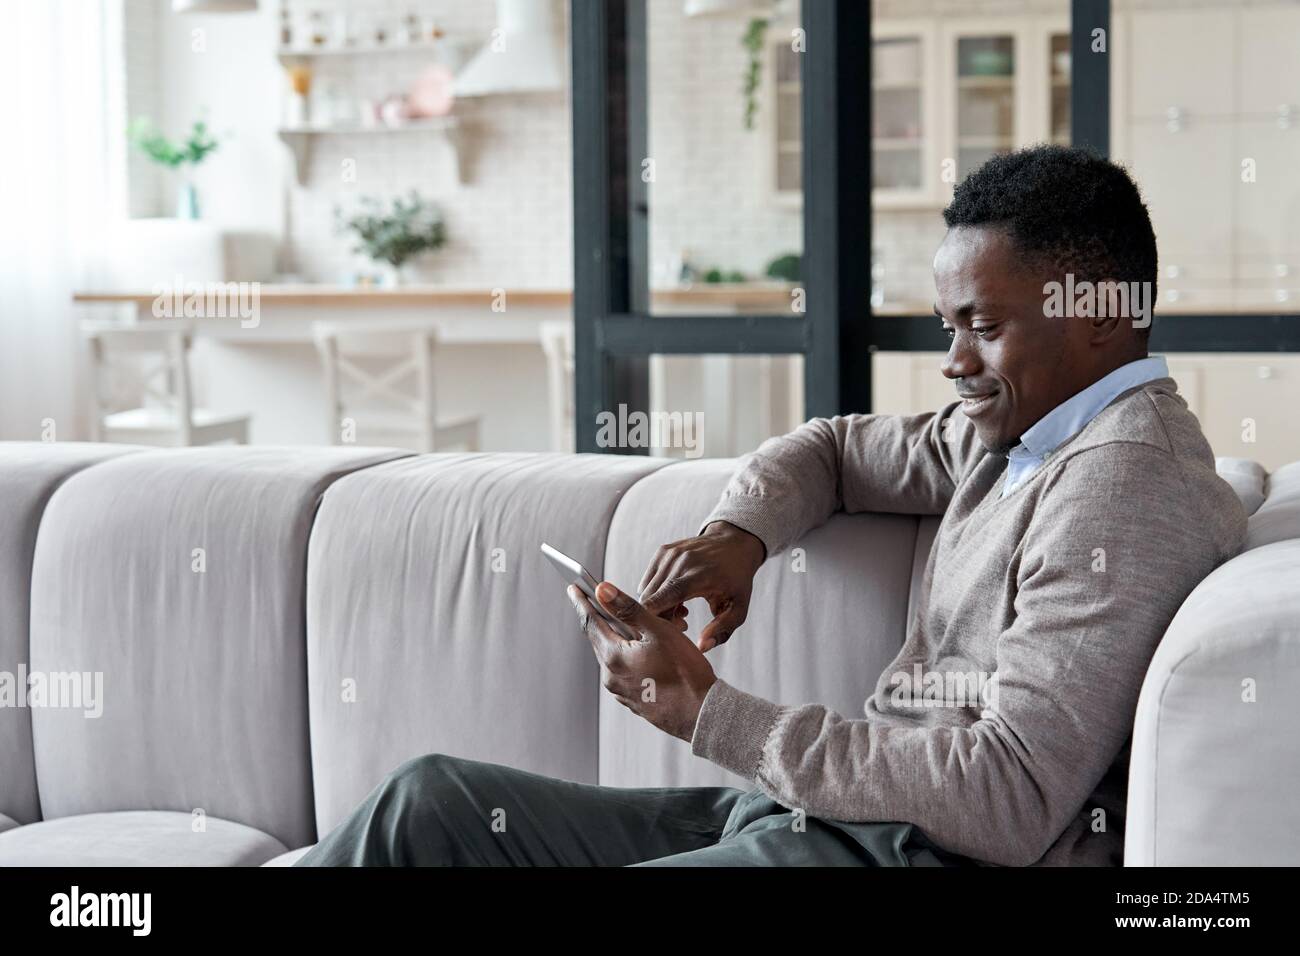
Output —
<point x="674" y="590"/>
<point x="655" y="576"/>
<point x="598" y="632"/>
<point x="652" y="569"/>
<point x="721" y="628"/>
<point x="658" y="568"/>
<point x="623" y="606"/>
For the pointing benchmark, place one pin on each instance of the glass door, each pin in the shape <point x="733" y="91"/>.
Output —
<point x="986" y="98"/>
<point x="1058" y="82"/>
<point x="897" y="134"/>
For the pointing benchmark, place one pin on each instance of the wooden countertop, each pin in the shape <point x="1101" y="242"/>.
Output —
<point x="343" y="296"/>
<point x="757" y="297"/>
<point x="769" y="296"/>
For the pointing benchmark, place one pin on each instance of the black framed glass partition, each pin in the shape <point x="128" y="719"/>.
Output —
<point x="820" y="316"/>
<point x="895" y="102"/>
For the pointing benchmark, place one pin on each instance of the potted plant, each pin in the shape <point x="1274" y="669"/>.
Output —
<point x="397" y="233"/>
<point x="752" y="40"/>
<point x="182" y="157"/>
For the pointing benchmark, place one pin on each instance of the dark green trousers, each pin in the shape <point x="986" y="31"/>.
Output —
<point x="447" y="811"/>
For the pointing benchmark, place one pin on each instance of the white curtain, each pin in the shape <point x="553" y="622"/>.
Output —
<point x="62" y="186"/>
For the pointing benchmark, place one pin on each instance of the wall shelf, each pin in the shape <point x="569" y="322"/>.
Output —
<point x="300" y="139"/>
<point x="290" y="55"/>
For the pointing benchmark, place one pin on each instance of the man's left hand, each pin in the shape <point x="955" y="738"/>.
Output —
<point x="662" y="677"/>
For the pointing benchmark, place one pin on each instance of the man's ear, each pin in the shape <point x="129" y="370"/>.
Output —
<point x="1113" y="313"/>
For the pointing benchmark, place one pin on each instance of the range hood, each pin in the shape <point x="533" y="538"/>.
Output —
<point x="732" y="8"/>
<point x="213" y="6"/>
<point x="525" y="54"/>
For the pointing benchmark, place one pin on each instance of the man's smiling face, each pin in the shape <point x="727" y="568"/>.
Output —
<point x="1011" y="363"/>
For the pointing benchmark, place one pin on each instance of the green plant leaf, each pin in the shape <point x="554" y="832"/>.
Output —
<point x="397" y="233"/>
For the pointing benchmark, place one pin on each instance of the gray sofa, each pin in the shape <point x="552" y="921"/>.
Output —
<point x="276" y="629"/>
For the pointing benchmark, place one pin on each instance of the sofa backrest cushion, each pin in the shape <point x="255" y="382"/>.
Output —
<point x="436" y="625"/>
<point x="179" y="576"/>
<point x="29" y="474"/>
<point x="1247" y="478"/>
<point x="1278" y="517"/>
<point x="825" y="619"/>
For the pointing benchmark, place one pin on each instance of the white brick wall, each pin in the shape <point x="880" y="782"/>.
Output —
<point x="511" y="223"/>
<point x="712" y="195"/>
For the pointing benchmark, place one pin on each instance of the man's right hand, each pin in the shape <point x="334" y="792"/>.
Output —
<point x="718" y="565"/>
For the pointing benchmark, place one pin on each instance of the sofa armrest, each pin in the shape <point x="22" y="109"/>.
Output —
<point x="1215" y="768"/>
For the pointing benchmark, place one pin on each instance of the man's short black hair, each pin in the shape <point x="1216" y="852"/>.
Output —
<point x="1066" y="209"/>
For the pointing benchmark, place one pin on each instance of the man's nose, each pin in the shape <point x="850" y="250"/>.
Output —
<point x="961" y="360"/>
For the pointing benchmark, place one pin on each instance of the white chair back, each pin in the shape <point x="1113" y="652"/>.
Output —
<point x="557" y="345"/>
<point x="151" y="360"/>
<point x="391" y="363"/>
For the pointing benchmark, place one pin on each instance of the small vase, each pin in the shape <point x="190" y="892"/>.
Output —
<point x="187" y="201"/>
<point x="394" y="277"/>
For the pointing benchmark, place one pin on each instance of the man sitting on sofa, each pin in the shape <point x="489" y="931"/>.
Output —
<point x="1080" y="506"/>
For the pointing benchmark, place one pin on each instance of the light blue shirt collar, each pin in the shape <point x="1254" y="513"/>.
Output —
<point x="1069" y="418"/>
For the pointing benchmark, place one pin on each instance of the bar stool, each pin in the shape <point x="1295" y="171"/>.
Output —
<point x="152" y="359"/>
<point x="402" y="350"/>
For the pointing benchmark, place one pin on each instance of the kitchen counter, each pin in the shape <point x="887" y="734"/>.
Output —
<point x="758" y="297"/>
<point x="490" y="350"/>
<point x="769" y="296"/>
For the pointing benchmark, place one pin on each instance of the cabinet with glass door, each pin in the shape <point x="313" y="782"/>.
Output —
<point x="1006" y="85"/>
<point x="945" y="96"/>
<point x="904" y="154"/>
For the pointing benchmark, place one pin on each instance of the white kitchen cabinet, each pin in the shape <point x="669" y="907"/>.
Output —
<point x="741" y="400"/>
<point x="1194" y="235"/>
<point x="1006" y="84"/>
<point x="1180" y="63"/>
<point x="1245" y="402"/>
<point x="985" y="92"/>
<point x="1207" y="118"/>
<point x="946" y="95"/>
<point x="905" y="114"/>
<point x="784" y="119"/>
<point x="907" y="383"/>
<point x="1249" y="405"/>
<point x="1053" y="110"/>
<point x="1269" y="207"/>
<point x="1269" y="84"/>
<point x="1266" y="237"/>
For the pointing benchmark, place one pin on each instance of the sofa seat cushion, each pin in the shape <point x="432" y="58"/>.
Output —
<point x="136" y="838"/>
<point x="290" y="858"/>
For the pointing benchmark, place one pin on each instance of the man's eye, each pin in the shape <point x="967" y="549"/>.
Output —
<point x="983" y="330"/>
<point x="948" y="331"/>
